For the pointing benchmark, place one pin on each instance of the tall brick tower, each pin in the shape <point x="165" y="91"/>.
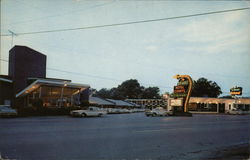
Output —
<point x="25" y="62"/>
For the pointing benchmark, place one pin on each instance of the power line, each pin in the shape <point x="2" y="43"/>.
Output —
<point x="128" y="23"/>
<point x="98" y="77"/>
<point x="105" y="78"/>
<point x="88" y="75"/>
<point x="92" y="76"/>
<point x="186" y="0"/>
<point x="57" y="15"/>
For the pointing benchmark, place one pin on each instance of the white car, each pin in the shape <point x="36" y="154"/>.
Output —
<point x="116" y="110"/>
<point x="7" y="111"/>
<point x="235" y="111"/>
<point x="112" y="110"/>
<point x="158" y="111"/>
<point x="90" y="112"/>
<point x="125" y="111"/>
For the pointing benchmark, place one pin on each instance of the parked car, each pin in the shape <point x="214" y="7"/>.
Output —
<point x="117" y="111"/>
<point x="90" y="112"/>
<point x="235" y="111"/>
<point x="158" y="111"/>
<point x="7" y="111"/>
<point x="113" y="110"/>
<point x="125" y="110"/>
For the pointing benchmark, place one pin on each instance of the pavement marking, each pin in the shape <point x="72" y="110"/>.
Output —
<point x="150" y="130"/>
<point x="168" y="129"/>
<point x="159" y="130"/>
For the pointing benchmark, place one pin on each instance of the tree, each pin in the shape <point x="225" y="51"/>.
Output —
<point x="116" y="94"/>
<point x="104" y="93"/>
<point x="227" y="97"/>
<point x="151" y="92"/>
<point x="130" y="89"/>
<point x="204" y="88"/>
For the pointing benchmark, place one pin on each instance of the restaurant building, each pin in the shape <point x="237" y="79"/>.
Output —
<point x="216" y="105"/>
<point x="26" y="84"/>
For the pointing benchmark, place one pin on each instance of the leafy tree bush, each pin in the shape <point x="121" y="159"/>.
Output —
<point x="205" y="88"/>
<point x="129" y="89"/>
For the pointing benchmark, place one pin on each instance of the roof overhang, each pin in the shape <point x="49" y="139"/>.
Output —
<point x="36" y="84"/>
<point x="6" y="80"/>
<point x="209" y="100"/>
<point x="100" y="101"/>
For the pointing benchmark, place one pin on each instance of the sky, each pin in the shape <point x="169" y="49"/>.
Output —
<point x="215" y="46"/>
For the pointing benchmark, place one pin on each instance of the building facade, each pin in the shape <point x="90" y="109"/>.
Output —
<point x="27" y="85"/>
<point x="149" y="103"/>
<point x="6" y="90"/>
<point x="216" y="105"/>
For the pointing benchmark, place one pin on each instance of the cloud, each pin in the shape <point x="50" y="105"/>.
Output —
<point x="217" y="34"/>
<point x="151" y="48"/>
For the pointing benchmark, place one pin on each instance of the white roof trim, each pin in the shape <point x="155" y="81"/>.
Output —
<point x="49" y="79"/>
<point x="6" y="80"/>
<point x="30" y="86"/>
<point x="51" y="82"/>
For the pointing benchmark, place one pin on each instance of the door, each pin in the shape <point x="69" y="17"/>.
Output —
<point x="221" y="107"/>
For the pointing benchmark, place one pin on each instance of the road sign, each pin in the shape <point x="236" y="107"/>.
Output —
<point x="183" y="89"/>
<point x="179" y="89"/>
<point x="178" y="95"/>
<point x="236" y="91"/>
<point x="176" y="102"/>
<point x="183" y="83"/>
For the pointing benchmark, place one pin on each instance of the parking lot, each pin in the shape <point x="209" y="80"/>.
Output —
<point x="121" y="136"/>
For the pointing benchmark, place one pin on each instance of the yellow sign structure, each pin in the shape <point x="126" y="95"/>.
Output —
<point x="182" y="79"/>
<point x="236" y="91"/>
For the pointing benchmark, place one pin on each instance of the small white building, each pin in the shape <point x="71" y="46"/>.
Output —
<point x="217" y="105"/>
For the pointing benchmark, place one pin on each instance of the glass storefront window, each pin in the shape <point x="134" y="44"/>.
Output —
<point x="207" y="107"/>
<point x="52" y="96"/>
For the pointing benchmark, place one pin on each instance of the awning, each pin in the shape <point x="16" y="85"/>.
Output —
<point x="210" y="100"/>
<point x="6" y="80"/>
<point x="100" y="101"/>
<point x="121" y="103"/>
<point x="36" y="84"/>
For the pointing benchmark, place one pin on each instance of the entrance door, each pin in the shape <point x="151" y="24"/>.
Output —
<point x="221" y="107"/>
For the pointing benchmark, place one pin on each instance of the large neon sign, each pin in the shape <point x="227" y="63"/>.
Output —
<point x="183" y="89"/>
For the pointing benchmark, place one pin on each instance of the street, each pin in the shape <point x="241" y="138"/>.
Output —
<point x="121" y="137"/>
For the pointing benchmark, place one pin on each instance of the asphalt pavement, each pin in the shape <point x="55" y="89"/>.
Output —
<point x="121" y="137"/>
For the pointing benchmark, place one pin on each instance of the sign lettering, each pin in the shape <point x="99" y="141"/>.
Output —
<point x="236" y="91"/>
<point x="182" y="83"/>
<point x="176" y="102"/>
<point x="179" y="89"/>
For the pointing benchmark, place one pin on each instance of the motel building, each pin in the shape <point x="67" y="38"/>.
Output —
<point x="216" y="105"/>
<point x="149" y="103"/>
<point x="26" y="84"/>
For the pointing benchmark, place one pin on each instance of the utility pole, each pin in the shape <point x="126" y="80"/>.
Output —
<point x="12" y="37"/>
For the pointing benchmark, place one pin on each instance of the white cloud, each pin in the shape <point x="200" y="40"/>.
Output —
<point x="217" y="34"/>
<point x="151" y="48"/>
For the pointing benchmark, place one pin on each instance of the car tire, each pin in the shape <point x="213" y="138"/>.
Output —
<point x="154" y="114"/>
<point x="84" y="115"/>
<point x="99" y="115"/>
